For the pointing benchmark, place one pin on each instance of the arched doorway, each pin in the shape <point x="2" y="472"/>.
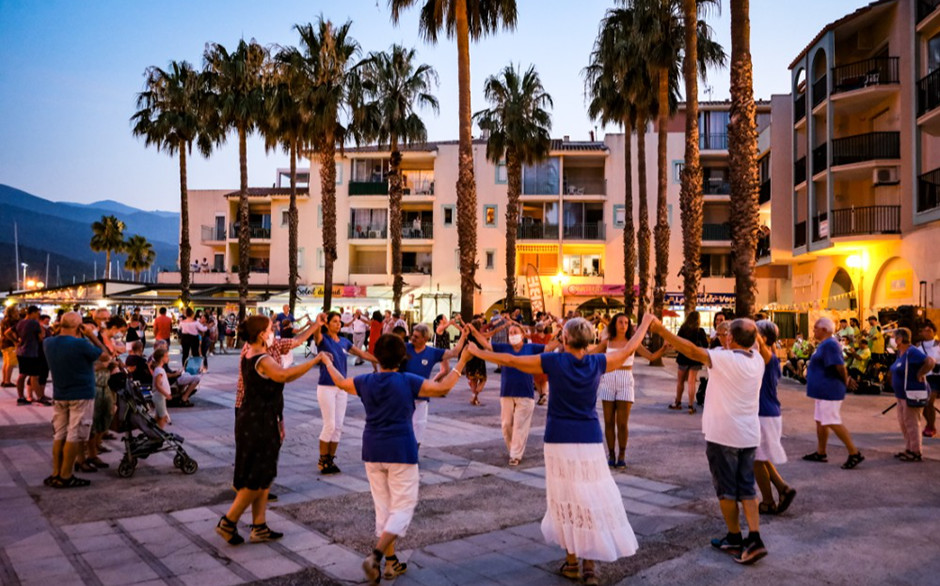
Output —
<point x="841" y="292"/>
<point x="894" y="285"/>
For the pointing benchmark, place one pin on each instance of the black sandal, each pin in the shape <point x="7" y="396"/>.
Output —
<point x="853" y="461"/>
<point x="911" y="457"/>
<point x="767" y="508"/>
<point x="676" y="406"/>
<point x="228" y="530"/>
<point x="571" y="571"/>
<point x="393" y="567"/>
<point x="52" y="480"/>
<point x="816" y="457"/>
<point x="786" y="497"/>
<point x="71" y="482"/>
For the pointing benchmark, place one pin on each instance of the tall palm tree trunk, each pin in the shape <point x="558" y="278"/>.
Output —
<point x="662" y="213"/>
<point x="629" y="230"/>
<point x="244" y="241"/>
<point x="690" y="197"/>
<point x="293" y="225"/>
<point x="394" y="220"/>
<point x="466" y="184"/>
<point x="185" y="246"/>
<point x="107" y="262"/>
<point x="742" y="160"/>
<point x="514" y="187"/>
<point x="328" y="189"/>
<point x="644" y="235"/>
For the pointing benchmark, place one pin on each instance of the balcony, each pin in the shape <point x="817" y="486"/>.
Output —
<point x="928" y="98"/>
<point x="367" y="268"/>
<point x="860" y="148"/>
<point x="799" y="109"/>
<point x="713" y="142"/>
<point x="422" y="231"/>
<point x="925" y="8"/>
<point x="360" y="232"/>
<point x="716" y="186"/>
<point x="716" y="232"/>
<point x="368" y="187"/>
<point x="255" y="231"/>
<point x="799" y="234"/>
<point x="585" y="231"/>
<point x="820" y="90"/>
<point x="418" y="182"/>
<point x="213" y="234"/>
<point x="799" y="171"/>
<point x="416" y="269"/>
<point x="869" y="73"/>
<point x="763" y="195"/>
<point x="859" y="221"/>
<point x="536" y="231"/>
<point x="585" y="186"/>
<point x="928" y="191"/>
<point x="821" y="227"/>
<point x="763" y="247"/>
<point x="819" y="159"/>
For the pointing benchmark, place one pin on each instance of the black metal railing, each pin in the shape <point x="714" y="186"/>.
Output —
<point x="820" y="159"/>
<point x="713" y="142"/>
<point x="713" y="232"/>
<point x="423" y="231"/>
<point x="368" y="187"/>
<point x="820" y="90"/>
<point x="925" y="8"/>
<point x="799" y="171"/>
<point x="537" y="231"/>
<point x="855" y="221"/>
<point x="928" y="191"/>
<point x="254" y="231"/>
<point x="366" y="232"/>
<point x="866" y="147"/>
<point x="928" y="92"/>
<point x="865" y="73"/>
<point x="799" y="108"/>
<point x="586" y="231"/>
<point x="821" y="227"/>
<point x="763" y="246"/>
<point x="799" y="234"/>
<point x="763" y="195"/>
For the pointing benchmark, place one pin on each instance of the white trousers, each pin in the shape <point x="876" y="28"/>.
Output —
<point x="516" y="418"/>
<point x="419" y="421"/>
<point x="332" y="401"/>
<point x="395" y="494"/>
<point x="358" y="340"/>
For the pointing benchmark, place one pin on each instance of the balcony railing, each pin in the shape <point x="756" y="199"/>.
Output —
<point x="925" y="8"/>
<point x="865" y="220"/>
<point x="928" y="93"/>
<point x="716" y="232"/>
<point x="799" y="234"/>
<point x="213" y="234"/>
<point x="820" y="227"/>
<point x="716" y="186"/>
<point x="799" y="108"/>
<point x="713" y="142"/>
<point x="424" y="230"/>
<point x="866" y="73"/>
<point x="819" y="158"/>
<point x="254" y="231"/>
<point x="763" y="196"/>
<point x="763" y="246"/>
<point x="365" y="232"/>
<point x="537" y="231"/>
<point x="799" y="171"/>
<point x="368" y="188"/>
<point x="866" y="147"/>
<point x="820" y="90"/>
<point x="587" y="231"/>
<point x="928" y="191"/>
<point x="367" y="268"/>
<point x="585" y="187"/>
<point x="416" y="269"/>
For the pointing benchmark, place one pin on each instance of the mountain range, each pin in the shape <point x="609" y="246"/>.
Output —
<point x="61" y="232"/>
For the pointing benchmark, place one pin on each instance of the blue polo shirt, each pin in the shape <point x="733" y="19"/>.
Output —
<point x="769" y="404"/>
<point x="913" y="359"/>
<point x="338" y="349"/>
<point x="572" y="413"/>
<point x="389" y="401"/>
<point x="514" y="382"/>
<point x="821" y="381"/>
<point x="422" y="363"/>
<point x="72" y="364"/>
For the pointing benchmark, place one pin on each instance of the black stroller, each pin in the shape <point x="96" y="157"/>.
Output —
<point x="133" y="415"/>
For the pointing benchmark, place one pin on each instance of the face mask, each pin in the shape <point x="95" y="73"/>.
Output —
<point x="269" y="339"/>
<point x="515" y="340"/>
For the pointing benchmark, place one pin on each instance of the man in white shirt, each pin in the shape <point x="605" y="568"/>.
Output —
<point x="360" y="326"/>
<point x="931" y="347"/>
<point x="732" y="430"/>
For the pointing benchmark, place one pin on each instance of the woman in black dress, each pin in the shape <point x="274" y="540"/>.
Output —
<point x="692" y="331"/>
<point x="257" y="434"/>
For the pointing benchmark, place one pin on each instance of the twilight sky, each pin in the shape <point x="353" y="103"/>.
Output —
<point x="70" y="71"/>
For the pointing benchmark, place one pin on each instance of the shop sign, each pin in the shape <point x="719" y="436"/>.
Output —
<point x="534" y="284"/>
<point x="337" y="290"/>
<point x="595" y="290"/>
<point x="721" y="299"/>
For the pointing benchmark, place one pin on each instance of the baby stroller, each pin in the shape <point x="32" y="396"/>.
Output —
<point x="133" y="415"/>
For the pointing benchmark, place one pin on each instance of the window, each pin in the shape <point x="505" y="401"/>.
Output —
<point x="321" y="260"/>
<point x="339" y="173"/>
<point x="541" y="178"/>
<point x="300" y="258"/>
<point x="586" y="265"/>
<point x="713" y="130"/>
<point x="489" y="216"/>
<point x="677" y="167"/>
<point x="285" y="217"/>
<point x="490" y="259"/>
<point x="450" y="215"/>
<point x="369" y="223"/>
<point x="619" y="216"/>
<point x="583" y="220"/>
<point x="716" y="265"/>
<point x="218" y="263"/>
<point x="501" y="177"/>
<point x="369" y="170"/>
<point x="715" y="181"/>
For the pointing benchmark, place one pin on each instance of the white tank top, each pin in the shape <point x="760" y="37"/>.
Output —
<point x="626" y="363"/>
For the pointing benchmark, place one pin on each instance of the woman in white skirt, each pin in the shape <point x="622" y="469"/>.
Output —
<point x="389" y="448"/>
<point x="617" y="388"/>
<point x="330" y="399"/>
<point x="585" y="513"/>
<point x="770" y="451"/>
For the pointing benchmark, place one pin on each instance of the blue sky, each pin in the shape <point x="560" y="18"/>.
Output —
<point x="69" y="73"/>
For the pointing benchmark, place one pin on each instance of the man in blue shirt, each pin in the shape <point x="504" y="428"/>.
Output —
<point x="421" y="361"/>
<point x="280" y="318"/>
<point x="826" y="380"/>
<point x="71" y="355"/>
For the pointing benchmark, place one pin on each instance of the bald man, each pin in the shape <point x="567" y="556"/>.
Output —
<point x="71" y="356"/>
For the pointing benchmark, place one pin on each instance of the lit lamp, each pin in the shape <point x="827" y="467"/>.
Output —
<point x="561" y="279"/>
<point x="859" y="263"/>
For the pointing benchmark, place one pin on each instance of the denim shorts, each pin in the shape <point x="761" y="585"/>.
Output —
<point x="732" y="471"/>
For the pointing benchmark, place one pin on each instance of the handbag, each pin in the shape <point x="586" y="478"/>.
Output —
<point x="915" y="397"/>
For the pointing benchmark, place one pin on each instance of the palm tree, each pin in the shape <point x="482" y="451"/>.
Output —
<point x="465" y="20"/>
<point x="107" y="235"/>
<point x="171" y="116"/>
<point x="690" y="195"/>
<point x="140" y="255"/>
<point x="328" y="51"/>
<point x="391" y="86"/>
<point x="518" y="128"/>
<point x="742" y="161"/>
<point x="237" y="81"/>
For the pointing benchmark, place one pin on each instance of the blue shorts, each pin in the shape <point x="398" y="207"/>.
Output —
<point x="732" y="471"/>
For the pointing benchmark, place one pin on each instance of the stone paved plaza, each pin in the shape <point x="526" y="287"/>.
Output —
<point x="478" y="519"/>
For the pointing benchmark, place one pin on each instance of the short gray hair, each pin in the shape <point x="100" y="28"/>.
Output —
<point x="423" y="329"/>
<point x="768" y="330"/>
<point x="579" y="333"/>
<point x="824" y="323"/>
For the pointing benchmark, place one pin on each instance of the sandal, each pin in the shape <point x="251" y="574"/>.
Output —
<point x="71" y="482"/>
<point x="542" y="399"/>
<point x="767" y="509"/>
<point x="51" y="481"/>
<point x="816" y="457"/>
<point x="853" y="461"/>
<point x="676" y="406"/>
<point x="370" y="566"/>
<point x="786" y="497"/>
<point x="911" y="457"/>
<point x="571" y="571"/>
<point x="393" y="568"/>
<point x="98" y="462"/>
<point x="261" y="533"/>
<point x="228" y="530"/>
<point x="85" y="466"/>
<point x="588" y="576"/>
<point x="691" y="409"/>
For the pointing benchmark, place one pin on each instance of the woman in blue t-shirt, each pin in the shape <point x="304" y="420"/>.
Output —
<point x="389" y="449"/>
<point x="584" y="513"/>
<point x="908" y="377"/>
<point x="331" y="400"/>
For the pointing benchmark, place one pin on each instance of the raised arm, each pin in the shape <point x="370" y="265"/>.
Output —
<point x="616" y="359"/>
<point x="439" y="388"/>
<point x="318" y="328"/>
<point x="458" y="347"/>
<point x="482" y="338"/>
<point x="527" y="364"/>
<point x="304" y="334"/>
<point x="274" y="371"/>
<point x="766" y="352"/>
<point x="682" y="345"/>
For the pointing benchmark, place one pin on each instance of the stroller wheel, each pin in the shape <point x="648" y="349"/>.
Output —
<point x="126" y="468"/>
<point x="178" y="461"/>
<point x="189" y="466"/>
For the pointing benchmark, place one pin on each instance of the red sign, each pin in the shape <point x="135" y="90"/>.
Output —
<point x="534" y="283"/>
<point x="595" y="290"/>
